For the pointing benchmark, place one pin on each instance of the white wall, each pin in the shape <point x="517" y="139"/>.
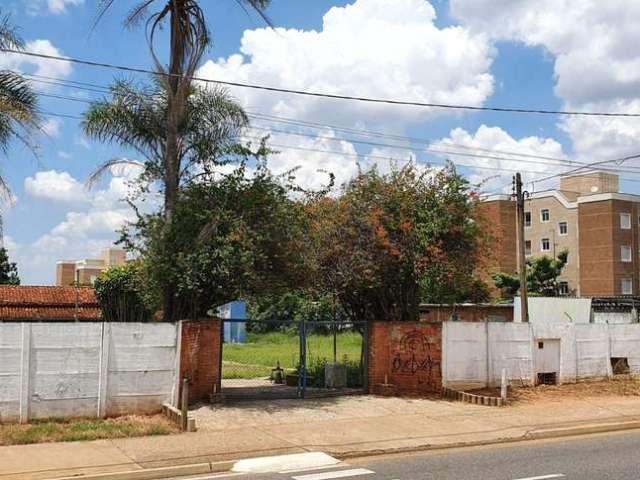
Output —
<point x="615" y="317"/>
<point x="85" y="369"/>
<point x="474" y="354"/>
<point x="555" y="309"/>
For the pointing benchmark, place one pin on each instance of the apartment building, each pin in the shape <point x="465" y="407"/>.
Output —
<point x="588" y="216"/>
<point x="85" y="271"/>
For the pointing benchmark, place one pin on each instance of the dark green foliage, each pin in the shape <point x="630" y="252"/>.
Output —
<point x="8" y="270"/>
<point x="542" y="276"/>
<point x="316" y="372"/>
<point x="121" y="294"/>
<point x="232" y="236"/>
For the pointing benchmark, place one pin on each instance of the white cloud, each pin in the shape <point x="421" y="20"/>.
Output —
<point x="502" y="145"/>
<point x="374" y="48"/>
<point x="314" y="158"/>
<point x="597" y="63"/>
<point x="35" y="65"/>
<point x="55" y="186"/>
<point x="60" y="6"/>
<point x="85" y="230"/>
<point x="52" y="126"/>
<point x="64" y="155"/>
<point x="56" y="7"/>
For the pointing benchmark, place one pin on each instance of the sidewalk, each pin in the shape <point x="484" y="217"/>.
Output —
<point x="343" y="427"/>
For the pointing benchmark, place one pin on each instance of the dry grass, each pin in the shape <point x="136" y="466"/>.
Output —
<point x="73" y="430"/>
<point x="618" y="386"/>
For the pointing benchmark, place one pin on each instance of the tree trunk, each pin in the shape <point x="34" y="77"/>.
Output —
<point x="175" y="112"/>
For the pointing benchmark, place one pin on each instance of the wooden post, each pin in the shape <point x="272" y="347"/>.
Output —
<point x="184" y="405"/>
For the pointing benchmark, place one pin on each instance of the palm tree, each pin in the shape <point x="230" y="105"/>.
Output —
<point x="189" y="39"/>
<point x="18" y="102"/>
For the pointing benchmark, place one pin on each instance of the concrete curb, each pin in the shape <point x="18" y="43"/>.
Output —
<point x="161" y="472"/>
<point x="529" y="436"/>
<point x="227" y="466"/>
<point x="583" y="430"/>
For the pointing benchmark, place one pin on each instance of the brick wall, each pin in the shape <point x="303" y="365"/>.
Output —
<point x="601" y="268"/>
<point x="200" y="356"/>
<point x="499" y="220"/>
<point x="405" y="358"/>
<point x="466" y="312"/>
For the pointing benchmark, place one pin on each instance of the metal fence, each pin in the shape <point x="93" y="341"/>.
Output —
<point x="287" y="359"/>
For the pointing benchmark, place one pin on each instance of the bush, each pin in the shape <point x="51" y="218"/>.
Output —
<point x="316" y="371"/>
<point x="120" y="294"/>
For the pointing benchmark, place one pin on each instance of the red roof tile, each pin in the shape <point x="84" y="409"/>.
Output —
<point x="43" y="303"/>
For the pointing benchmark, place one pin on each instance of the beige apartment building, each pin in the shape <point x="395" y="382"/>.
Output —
<point x="588" y="216"/>
<point x="85" y="271"/>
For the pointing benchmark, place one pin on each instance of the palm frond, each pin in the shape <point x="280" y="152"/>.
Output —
<point x="19" y="116"/>
<point x="106" y="167"/>
<point x="9" y="37"/>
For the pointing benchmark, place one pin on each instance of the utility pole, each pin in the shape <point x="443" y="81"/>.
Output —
<point x="522" y="264"/>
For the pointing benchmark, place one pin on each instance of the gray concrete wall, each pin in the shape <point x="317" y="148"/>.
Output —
<point x="474" y="354"/>
<point x="85" y="369"/>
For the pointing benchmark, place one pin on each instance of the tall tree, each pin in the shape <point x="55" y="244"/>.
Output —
<point x="134" y="117"/>
<point x="18" y="102"/>
<point x="391" y="241"/>
<point x="8" y="270"/>
<point x="189" y="37"/>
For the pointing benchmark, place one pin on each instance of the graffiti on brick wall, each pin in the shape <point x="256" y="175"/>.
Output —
<point x="413" y="357"/>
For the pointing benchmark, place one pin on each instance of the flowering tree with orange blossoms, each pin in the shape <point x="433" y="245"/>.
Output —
<point x="391" y="241"/>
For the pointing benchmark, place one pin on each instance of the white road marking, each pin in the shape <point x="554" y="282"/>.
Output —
<point x="543" y="477"/>
<point x="279" y="463"/>
<point x="335" y="474"/>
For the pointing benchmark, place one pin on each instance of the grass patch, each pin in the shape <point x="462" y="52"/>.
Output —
<point x="74" y="430"/>
<point x="263" y="351"/>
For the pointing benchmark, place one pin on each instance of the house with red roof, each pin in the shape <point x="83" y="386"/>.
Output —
<point x="25" y="303"/>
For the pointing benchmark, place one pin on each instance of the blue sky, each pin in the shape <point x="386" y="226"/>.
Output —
<point x="479" y="52"/>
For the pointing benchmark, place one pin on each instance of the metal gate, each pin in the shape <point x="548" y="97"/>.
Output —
<point x="287" y="359"/>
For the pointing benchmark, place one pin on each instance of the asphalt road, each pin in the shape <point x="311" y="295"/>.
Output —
<point x="597" y="457"/>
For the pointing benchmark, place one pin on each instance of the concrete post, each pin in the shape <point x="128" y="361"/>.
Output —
<point x="503" y="385"/>
<point x="25" y="373"/>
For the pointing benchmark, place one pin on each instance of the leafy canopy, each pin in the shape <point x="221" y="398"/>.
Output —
<point x="391" y="241"/>
<point x="233" y="236"/>
<point x="8" y="270"/>
<point x="121" y="294"/>
<point x="542" y="276"/>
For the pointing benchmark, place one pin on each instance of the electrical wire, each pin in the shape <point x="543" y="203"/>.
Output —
<point x="325" y="95"/>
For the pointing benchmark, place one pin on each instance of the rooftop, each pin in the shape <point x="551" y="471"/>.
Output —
<point x="48" y="303"/>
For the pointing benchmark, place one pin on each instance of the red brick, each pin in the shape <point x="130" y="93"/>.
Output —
<point x="200" y="357"/>
<point x="405" y="358"/>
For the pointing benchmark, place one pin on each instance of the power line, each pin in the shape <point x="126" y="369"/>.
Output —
<point x="360" y="132"/>
<point x="326" y="95"/>
<point x="433" y="150"/>
<point x="557" y="161"/>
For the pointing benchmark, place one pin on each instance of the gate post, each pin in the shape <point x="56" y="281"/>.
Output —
<point x="365" y="358"/>
<point x="302" y="372"/>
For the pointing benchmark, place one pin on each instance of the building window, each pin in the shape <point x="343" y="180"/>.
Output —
<point x="627" y="286"/>
<point x="625" y="221"/>
<point x="625" y="253"/>
<point x="527" y="247"/>
<point x="527" y="219"/>
<point x="563" y="288"/>
<point x="563" y="228"/>
<point x="545" y="245"/>
<point x="544" y="215"/>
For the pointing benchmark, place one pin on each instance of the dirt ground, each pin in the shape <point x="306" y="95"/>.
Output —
<point x="618" y="386"/>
